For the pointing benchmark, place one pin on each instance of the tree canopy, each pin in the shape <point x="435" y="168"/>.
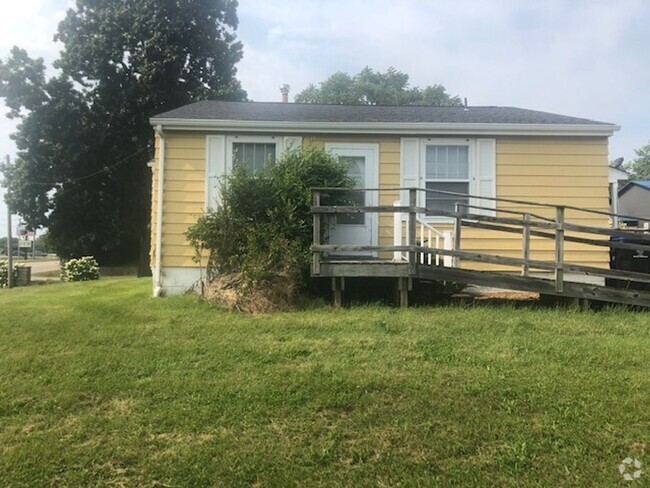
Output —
<point x="84" y="138"/>
<point x="374" y="88"/>
<point x="641" y="164"/>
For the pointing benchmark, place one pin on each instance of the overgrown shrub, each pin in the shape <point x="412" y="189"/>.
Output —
<point x="4" y="271"/>
<point x="263" y="228"/>
<point x="81" y="269"/>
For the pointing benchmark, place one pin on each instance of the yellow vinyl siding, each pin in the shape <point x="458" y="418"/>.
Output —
<point x="184" y="195"/>
<point x="558" y="171"/>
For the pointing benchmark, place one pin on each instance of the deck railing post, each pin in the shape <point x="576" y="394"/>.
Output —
<point x="397" y="231"/>
<point x="448" y="245"/>
<point x="525" y="245"/>
<point x="559" y="249"/>
<point x="316" y="233"/>
<point x="412" y="229"/>
<point x="458" y="224"/>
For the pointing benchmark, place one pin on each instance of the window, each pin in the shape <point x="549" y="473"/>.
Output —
<point x="447" y="168"/>
<point x="253" y="156"/>
<point x="356" y="171"/>
<point x="252" y="152"/>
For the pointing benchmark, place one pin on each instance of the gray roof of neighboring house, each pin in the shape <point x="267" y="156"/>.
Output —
<point x="303" y="112"/>
<point x="645" y="184"/>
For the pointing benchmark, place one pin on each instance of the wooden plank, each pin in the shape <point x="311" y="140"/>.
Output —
<point x="365" y="269"/>
<point x="492" y="279"/>
<point x="559" y="250"/>
<point x="403" y="289"/>
<point x="567" y="237"/>
<point x="525" y="245"/>
<point x="412" y="231"/>
<point x="499" y="199"/>
<point x="316" y="231"/>
<point x="337" y="289"/>
<point x="538" y="285"/>
<point x="495" y="259"/>
<point x="458" y="227"/>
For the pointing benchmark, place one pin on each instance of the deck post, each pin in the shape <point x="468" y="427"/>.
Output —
<point x="315" y="265"/>
<point x="559" y="249"/>
<point x="458" y="224"/>
<point x="397" y="231"/>
<point x="412" y="229"/>
<point x="338" y="285"/>
<point x="403" y="288"/>
<point x="525" y="245"/>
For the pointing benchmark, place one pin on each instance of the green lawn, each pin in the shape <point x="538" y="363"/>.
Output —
<point x="101" y="385"/>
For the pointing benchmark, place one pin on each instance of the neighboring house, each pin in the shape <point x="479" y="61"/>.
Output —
<point x="483" y="151"/>
<point x="634" y="200"/>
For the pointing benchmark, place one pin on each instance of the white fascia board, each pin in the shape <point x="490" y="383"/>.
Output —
<point x="386" y="128"/>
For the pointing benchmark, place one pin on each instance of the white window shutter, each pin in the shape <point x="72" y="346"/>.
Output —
<point x="294" y="142"/>
<point x="409" y="166"/>
<point x="216" y="170"/>
<point x="486" y="174"/>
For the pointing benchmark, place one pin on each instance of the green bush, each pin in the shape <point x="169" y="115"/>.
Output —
<point x="4" y="271"/>
<point x="263" y="227"/>
<point x="81" y="269"/>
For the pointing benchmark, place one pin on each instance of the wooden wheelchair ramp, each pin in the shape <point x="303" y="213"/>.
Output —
<point x="416" y="255"/>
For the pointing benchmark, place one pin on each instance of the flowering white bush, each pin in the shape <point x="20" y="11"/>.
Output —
<point x="4" y="268"/>
<point x="82" y="269"/>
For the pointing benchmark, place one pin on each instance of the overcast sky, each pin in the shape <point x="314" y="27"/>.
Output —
<point x="586" y="58"/>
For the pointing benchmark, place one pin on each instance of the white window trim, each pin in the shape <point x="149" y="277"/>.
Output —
<point x="230" y="140"/>
<point x="472" y="169"/>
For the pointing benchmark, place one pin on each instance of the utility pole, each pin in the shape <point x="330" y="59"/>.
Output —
<point x="10" y="252"/>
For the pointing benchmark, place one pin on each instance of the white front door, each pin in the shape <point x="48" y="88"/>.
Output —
<point x="363" y="166"/>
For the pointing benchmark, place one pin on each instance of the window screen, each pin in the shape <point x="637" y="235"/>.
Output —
<point x="356" y="171"/>
<point x="253" y="155"/>
<point x="447" y="169"/>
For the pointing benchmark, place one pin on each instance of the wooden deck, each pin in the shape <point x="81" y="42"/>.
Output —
<point x="415" y="261"/>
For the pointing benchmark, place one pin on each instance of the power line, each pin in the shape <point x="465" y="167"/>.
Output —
<point x="103" y="170"/>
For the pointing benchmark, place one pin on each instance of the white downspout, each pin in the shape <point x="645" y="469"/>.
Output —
<point x="157" y="291"/>
<point x="613" y="188"/>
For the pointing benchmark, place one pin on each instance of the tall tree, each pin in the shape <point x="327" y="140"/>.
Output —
<point x="641" y="164"/>
<point x="84" y="138"/>
<point x="374" y="88"/>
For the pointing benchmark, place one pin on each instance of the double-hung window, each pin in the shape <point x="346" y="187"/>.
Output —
<point x="447" y="168"/>
<point x="253" y="154"/>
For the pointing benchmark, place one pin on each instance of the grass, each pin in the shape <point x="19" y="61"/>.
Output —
<point x="101" y="385"/>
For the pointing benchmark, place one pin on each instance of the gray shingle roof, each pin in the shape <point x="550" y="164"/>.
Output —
<point x="299" y="112"/>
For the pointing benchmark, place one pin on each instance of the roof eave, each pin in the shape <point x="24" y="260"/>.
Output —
<point x="385" y="127"/>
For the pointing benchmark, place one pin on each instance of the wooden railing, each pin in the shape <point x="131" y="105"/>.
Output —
<point x="493" y="218"/>
<point x="426" y="235"/>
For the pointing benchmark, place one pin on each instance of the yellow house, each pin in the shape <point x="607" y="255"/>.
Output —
<point x="486" y="152"/>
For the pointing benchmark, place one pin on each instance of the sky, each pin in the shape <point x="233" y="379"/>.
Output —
<point x="585" y="58"/>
